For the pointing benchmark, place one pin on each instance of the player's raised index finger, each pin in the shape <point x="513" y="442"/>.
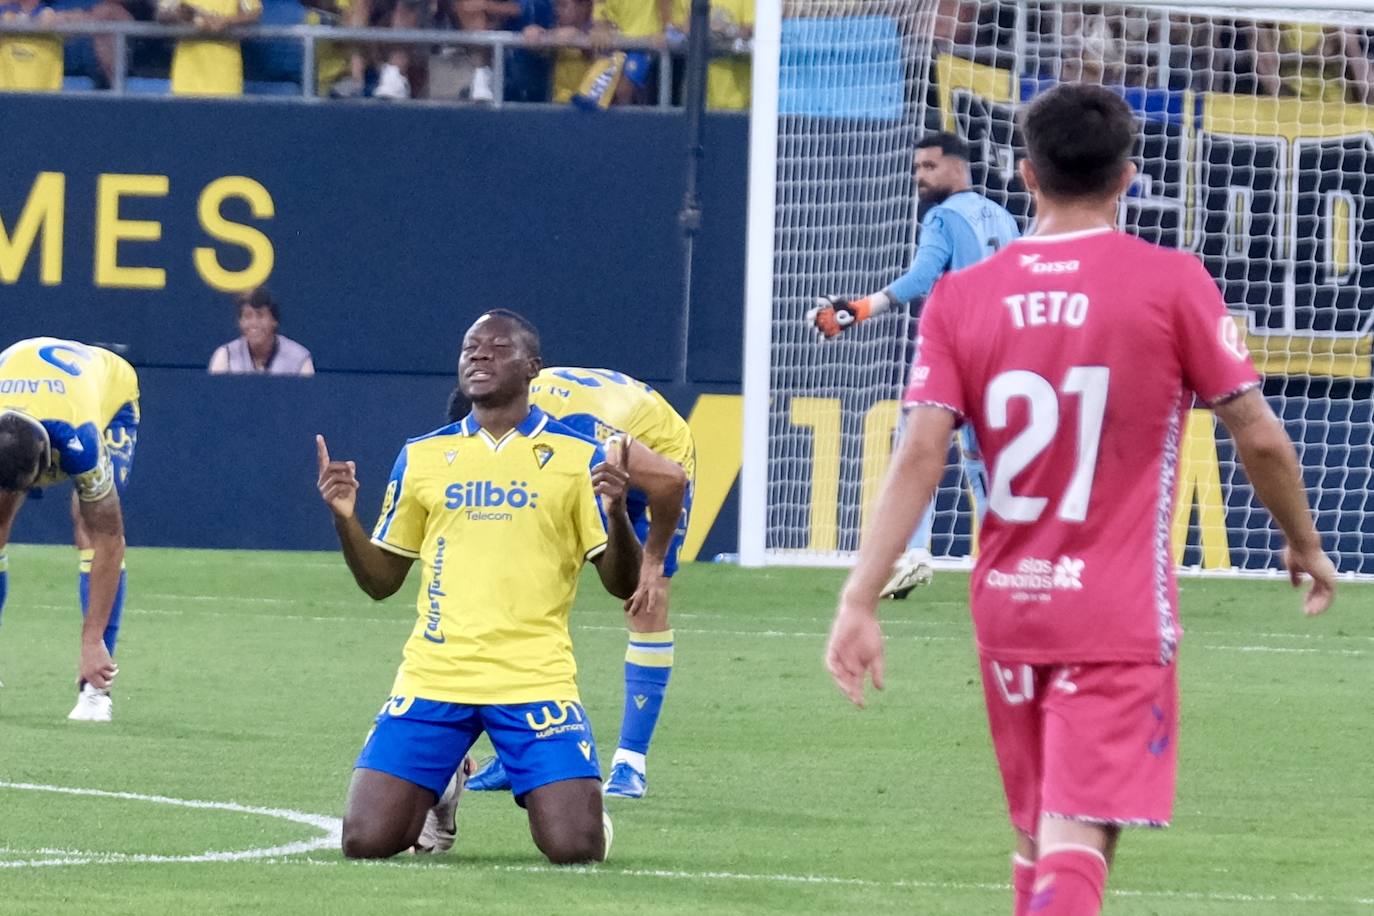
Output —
<point x="321" y="452"/>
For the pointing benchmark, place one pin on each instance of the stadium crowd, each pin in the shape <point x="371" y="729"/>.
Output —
<point x="1136" y="46"/>
<point x="592" y="75"/>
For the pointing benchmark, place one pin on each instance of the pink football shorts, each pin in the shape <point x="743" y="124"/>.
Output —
<point x="1092" y="742"/>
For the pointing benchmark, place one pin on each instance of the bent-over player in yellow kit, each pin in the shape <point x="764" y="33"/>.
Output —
<point x="68" y="410"/>
<point x="501" y="509"/>
<point x="600" y="403"/>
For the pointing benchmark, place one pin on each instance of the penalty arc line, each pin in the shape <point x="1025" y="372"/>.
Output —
<point x="331" y="826"/>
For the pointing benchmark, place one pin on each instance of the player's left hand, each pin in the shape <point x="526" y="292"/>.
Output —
<point x="611" y="478"/>
<point x="97" y="668"/>
<point x="855" y="650"/>
<point x="1312" y="563"/>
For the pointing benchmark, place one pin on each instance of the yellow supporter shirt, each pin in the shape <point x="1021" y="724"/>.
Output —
<point x="28" y="63"/>
<point x="569" y="67"/>
<point x="331" y="57"/>
<point x="75" y="390"/>
<point x="599" y="403"/>
<point x="727" y="78"/>
<point x="633" y="18"/>
<point x="501" y="529"/>
<point x="202" y="67"/>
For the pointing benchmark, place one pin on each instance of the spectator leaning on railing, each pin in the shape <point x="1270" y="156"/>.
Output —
<point x="526" y="72"/>
<point x="208" y="66"/>
<point x="30" y="63"/>
<point x="34" y="63"/>
<point x="727" y="78"/>
<point x="1313" y="62"/>
<point x="573" y="20"/>
<point x="622" y="77"/>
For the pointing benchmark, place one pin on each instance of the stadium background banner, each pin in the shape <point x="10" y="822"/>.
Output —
<point x="384" y="230"/>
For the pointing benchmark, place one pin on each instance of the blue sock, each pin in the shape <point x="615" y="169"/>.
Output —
<point x="4" y="580"/>
<point x="116" y="612"/>
<point x="648" y="666"/>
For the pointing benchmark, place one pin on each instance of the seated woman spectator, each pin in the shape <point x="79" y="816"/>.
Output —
<point x="259" y="347"/>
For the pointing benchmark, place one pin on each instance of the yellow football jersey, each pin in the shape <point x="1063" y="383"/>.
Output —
<point x="728" y="85"/>
<point x="74" y="390"/>
<point x="633" y="18"/>
<point x="599" y="403"/>
<point x="569" y="67"/>
<point x="29" y="63"/>
<point x="210" y="67"/>
<point x="501" y="529"/>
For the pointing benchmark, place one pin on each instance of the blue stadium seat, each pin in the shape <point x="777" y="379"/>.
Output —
<point x="844" y="68"/>
<point x="143" y="85"/>
<point x="77" y="84"/>
<point x="268" y="87"/>
<point x="276" y="61"/>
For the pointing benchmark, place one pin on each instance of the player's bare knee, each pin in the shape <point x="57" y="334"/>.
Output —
<point x="370" y="841"/>
<point x="574" y="844"/>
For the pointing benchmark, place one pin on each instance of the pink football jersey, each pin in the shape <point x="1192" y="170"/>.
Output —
<point x="1076" y="358"/>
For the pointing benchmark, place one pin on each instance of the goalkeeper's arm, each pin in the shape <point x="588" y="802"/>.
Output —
<point x="832" y="314"/>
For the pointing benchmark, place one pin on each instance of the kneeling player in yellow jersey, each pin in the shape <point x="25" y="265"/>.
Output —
<point x="69" y="410"/>
<point x="600" y="403"/>
<point x="501" y="509"/>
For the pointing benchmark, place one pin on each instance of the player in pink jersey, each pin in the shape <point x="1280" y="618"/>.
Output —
<point x="1075" y="354"/>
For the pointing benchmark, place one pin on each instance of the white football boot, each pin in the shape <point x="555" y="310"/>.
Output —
<point x="913" y="570"/>
<point x="92" y="705"/>
<point x="441" y="821"/>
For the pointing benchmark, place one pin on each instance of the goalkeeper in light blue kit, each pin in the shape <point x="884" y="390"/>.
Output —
<point x="960" y="228"/>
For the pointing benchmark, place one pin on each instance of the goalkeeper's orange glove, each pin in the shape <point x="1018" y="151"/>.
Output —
<point x="833" y="314"/>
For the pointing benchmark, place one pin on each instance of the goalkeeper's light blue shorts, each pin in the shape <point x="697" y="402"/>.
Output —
<point x="424" y="741"/>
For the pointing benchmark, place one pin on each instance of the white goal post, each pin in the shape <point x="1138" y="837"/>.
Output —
<point x="1256" y="153"/>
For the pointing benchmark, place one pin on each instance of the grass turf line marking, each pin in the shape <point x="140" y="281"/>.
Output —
<point x="764" y="634"/>
<point x="331" y="826"/>
<point x="832" y="880"/>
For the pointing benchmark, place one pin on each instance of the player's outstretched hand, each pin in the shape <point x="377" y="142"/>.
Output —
<point x="831" y="315"/>
<point x="855" y="650"/>
<point x="97" y="668"/>
<point x="1315" y="564"/>
<point x="338" y="481"/>
<point x="611" y="478"/>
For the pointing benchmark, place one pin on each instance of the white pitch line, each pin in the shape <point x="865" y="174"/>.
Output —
<point x="602" y="871"/>
<point x="762" y="634"/>
<point x="331" y="826"/>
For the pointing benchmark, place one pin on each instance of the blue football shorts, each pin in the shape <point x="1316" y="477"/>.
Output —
<point x="424" y="741"/>
<point x="637" y="504"/>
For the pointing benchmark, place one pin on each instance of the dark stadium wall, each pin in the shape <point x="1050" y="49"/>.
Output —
<point x="383" y="232"/>
<point x="380" y="228"/>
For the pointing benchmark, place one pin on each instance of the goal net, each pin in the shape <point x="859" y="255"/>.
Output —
<point x="1256" y="153"/>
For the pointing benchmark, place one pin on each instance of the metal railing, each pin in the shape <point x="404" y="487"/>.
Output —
<point x="310" y="37"/>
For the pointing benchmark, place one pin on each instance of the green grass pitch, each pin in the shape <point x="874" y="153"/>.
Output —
<point x="250" y="679"/>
